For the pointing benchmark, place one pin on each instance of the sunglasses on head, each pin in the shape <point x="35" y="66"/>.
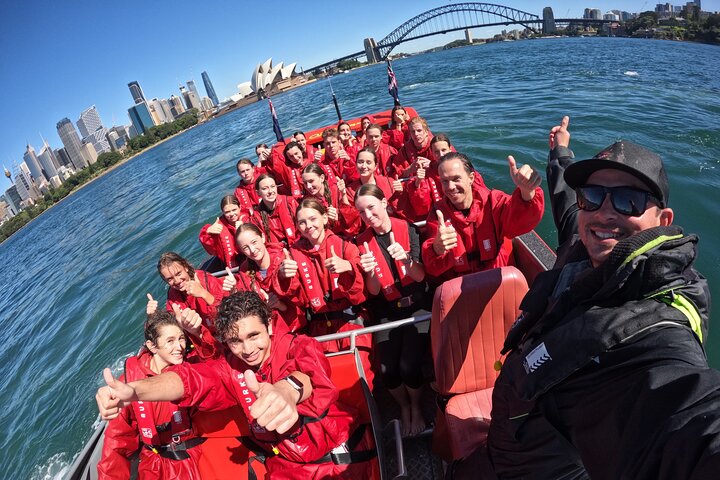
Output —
<point x="625" y="200"/>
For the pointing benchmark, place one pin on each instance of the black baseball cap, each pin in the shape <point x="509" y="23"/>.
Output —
<point x="628" y="157"/>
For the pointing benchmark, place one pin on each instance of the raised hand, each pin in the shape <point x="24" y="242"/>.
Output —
<point x="215" y="228"/>
<point x="229" y="282"/>
<point x="340" y="185"/>
<point x="188" y="319"/>
<point x="446" y="238"/>
<point x="318" y="155"/>
<point x="367" y="260"/>
<point x="525" y="178"/>
<point x="397" y="186"/>
<point x="332" y="214"/>
<point x="275" y="408"/>
<point x="559" y="134"/>
<point x="342" y="154"/>
<point x="113" y="396"/>
<point x="152" y="305"/>
<point x="288" y="267"/>
<point x="335" y="264"/>
<point x="396" y="251"/>
<point x="194" y="287"/>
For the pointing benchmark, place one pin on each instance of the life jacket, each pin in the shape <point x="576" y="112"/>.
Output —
<point x="225" y="244"/>
<point x="246" y="196"/>
<point x="383" y="272"/>
<point x="283" y="215"/>
<point x="319" y="289"/>
<point x="149" y="415"/>
<point x="480" y="219"/>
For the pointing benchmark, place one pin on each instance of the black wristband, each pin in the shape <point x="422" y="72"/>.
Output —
<point x="296" y="384"/>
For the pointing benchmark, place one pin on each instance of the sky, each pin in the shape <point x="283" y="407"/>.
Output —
<point x="59" y="57"/>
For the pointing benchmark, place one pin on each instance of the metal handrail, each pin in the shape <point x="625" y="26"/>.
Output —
<point x="375" y="328"/>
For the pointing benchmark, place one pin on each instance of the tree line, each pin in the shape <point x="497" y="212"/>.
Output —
<point x="104" y="161"/>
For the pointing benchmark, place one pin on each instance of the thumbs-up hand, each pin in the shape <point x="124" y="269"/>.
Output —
<point x="194" y="287"/>
<point x="559" y="134"/>
<point x="340" y="185"/>
<point x="215" y="228"/>
<point x="396" y="251"/>
<point x="367" y="260"/>
<point x="229" y="282"/>
<point x="526" y="178"/>
<point x="343" y="154"/>
<point x="152" y="305"/>
<point x="332" y="214"/>
<point x="275" y="407"/>
<point x="335" y="264"/>
<point x="318" y="155"/>
<point x="188" y="319"/>
<point x="446" y="238"/>
<point x="397" y="186"/>
<point x="288" y="267"/>
<point x="112" y="397"/>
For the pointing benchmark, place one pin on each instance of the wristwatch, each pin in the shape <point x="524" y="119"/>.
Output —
<point x="296" y="384"/>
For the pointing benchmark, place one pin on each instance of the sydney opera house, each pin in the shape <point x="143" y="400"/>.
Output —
<point x="268" y="80"/>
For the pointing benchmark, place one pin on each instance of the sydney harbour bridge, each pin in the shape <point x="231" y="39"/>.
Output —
<point x="454" y="17"/>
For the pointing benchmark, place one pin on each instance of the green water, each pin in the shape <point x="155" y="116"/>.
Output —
<point x="74" y="281"/>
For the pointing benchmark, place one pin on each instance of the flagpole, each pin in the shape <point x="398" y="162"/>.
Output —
<point x="337" y="108"/>
<point x="276" y="123"/>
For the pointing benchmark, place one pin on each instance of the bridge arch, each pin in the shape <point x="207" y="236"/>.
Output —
<point x="475" y="15"/>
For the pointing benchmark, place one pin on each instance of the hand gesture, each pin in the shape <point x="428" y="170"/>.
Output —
<point x="332" y="214"/>
<point x="318" y="155"/>
<point x="397" y="186"/>
<point x="275" y="408"/>
<point x="396" y="251"/>
<point x="288" y="267"/>
<point x="194" y="288"/>
<point x="238" y="223"/>
<point x="559" y="135"/>
<point x="113" y="396"/>
<point x="342" y="154"/>
<point x="188" y="319"/>
<point x="264" y="154"/>
<point x="229" y="282"/>
<point x="340" y="185"/>
<point x="151" y="305"/>
<point x="367" y="260"/>
<point x="446" y="238"/>
<point x="525" y="178"/>
<point x="336" y="264"/>
<point x="215" y="228"/>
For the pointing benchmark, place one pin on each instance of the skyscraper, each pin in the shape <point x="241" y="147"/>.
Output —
<point x="136" y="92"/>
<point x="140" y="118"/>
<point x="33" y="164"/>
<point x="92" y="130"/>
<point x="176" y="106"/>
<point x="69" y="137"/>
<point x="209" y="88"/>
<point x="12" y="197"/>
<point x="191" y="86"/>
<point x="46" y="161"/>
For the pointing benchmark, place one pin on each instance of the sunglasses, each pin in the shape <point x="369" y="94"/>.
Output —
<point x="625" y="200"/>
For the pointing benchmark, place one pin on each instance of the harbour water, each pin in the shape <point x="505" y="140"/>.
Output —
<point x="74" y="280"/>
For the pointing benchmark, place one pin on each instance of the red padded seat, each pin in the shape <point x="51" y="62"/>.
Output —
<point x="471" y="316"/>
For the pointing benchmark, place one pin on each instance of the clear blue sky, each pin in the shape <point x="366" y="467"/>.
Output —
<point x="59" y="57"/>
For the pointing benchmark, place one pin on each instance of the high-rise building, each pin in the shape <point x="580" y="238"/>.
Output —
<point x="46" y="161"/>
<point x="12" y="197"/>
<point x="24" y="183"/>
<point x="92" y="130"/>
<point x="156" y="112"/>
<point x="209" y="88"/>
<point x="140" y="117"/>
<point x="136" y="92"/>
<point x="191" y="86"/>
<point x="33" y="164"/>
<point x="191" y="99"/>
<point x="176" y="106"/>
<point x="62" y="157"/>
<point x="89" y="152"/>
<point x="71" y="141"/>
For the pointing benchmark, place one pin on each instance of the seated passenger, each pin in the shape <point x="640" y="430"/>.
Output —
<point x="245" y="191"/>
<point x="394" y="273"/>
<point x="344" y="219"/>
<point x="263" y="154"/>
<point x="309" y="150"/>
<point x="275" y="213"/>
<point x="351" y="146"/>
<point x="384" y="153"/>
<point x="321" y="273"/>
<point x="335" y="156"/>
<point x="367" y="169"/>
<point x="218" y="239"/>
<point x="360" y="135"/>
<point x="398" y="130"/>
<point x="282" y="382"/>
<point x="189" y="288"/>
<point x="285" y="164"/>
<point x="471" y="228"/>
<point x="405" y="163"/>
<point x="162" y="429"/>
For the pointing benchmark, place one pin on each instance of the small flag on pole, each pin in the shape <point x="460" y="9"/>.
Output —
<point x="392" y="84"/>
<point x="276" y="124"/>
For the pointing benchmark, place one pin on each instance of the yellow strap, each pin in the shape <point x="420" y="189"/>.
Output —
<point x="687" y="308"/>
<point x="650" y="245"/>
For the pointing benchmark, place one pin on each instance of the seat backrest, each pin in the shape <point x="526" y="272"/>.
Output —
<point x="471" y="316"/>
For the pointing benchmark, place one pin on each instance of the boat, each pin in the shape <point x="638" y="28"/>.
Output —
<point x="464" y="310"/>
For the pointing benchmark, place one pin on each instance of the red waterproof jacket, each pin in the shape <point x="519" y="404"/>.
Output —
<point x="494" y="216"/>
<point x="223" y="244"/>
<point x="407" y="155"/>
<point x="384" y="155"/>
<point x="348" y="223"/>
<point x="246" y="194"/>
<point x="396" y="138"/>
<point x="278" y="225"/>
<point x="125" y="434"/>
<point x="207" y="312"/>
<point x="287" y="175"/>
<point x="303" y="443"/>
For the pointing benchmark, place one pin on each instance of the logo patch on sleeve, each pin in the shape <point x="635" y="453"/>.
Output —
<point x="536" y="358"/>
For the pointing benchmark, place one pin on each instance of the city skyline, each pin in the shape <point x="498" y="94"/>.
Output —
<point x="54" y="72"/>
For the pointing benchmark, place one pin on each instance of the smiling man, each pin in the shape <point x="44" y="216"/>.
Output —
<point x="281" y="381"/>
<point x="472" y="227"/>
<point x="606" y="376"/>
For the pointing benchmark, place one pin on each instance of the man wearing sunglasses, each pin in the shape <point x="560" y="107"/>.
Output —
<point x="605" y="375"/>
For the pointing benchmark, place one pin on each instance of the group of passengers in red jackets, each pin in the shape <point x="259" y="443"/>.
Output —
<point x="324" y="242"/>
